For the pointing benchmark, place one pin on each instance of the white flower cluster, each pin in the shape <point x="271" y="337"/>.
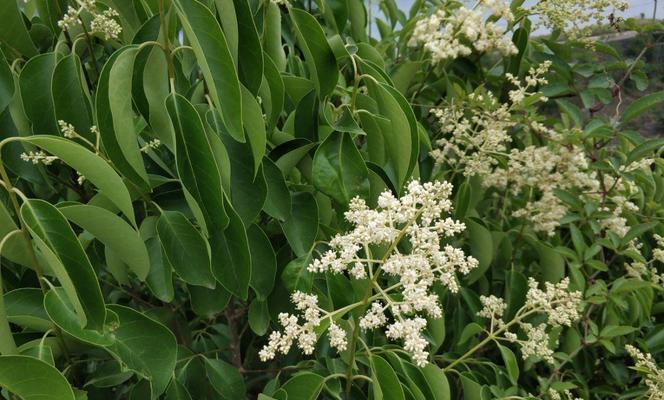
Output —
<point x="151" y="145"/>
<point x="281" y="342"/>
<point x="658" y="252"/>
<point x="654" y="376"/>
<point x="102" y="22"/>
<point x="37" y="157"/>
<point x="477" y="128"/>
<point x="544" y="169"/>
<point x="67" y="129"/>
<point x="556" y="302"/>
<point x="415" y="219"/>
<point x="453" y="32"/>
<point x="473" y="130"/>
<point x="534" y="78"/>
<point x="576" y="17"/>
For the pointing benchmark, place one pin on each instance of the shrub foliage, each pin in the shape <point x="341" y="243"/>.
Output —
<point x="295" y="200"/>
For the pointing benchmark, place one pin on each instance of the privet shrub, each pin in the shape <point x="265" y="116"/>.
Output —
<point x="296" y="200"/>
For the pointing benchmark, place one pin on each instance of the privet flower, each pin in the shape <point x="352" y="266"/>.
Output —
<point x="151" y="145"/>
<point x="37" y="157"/>
<point x="416" y="218"/>
<point x="653" y="375"/>
<point x="576" y="17"/>
<point x="477" y="128"/>
<point x="102" y="22"/>
<point x="453" y="32"/>
<point x="555" y="302"/>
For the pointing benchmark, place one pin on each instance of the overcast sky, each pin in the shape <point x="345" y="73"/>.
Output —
<point x="636" y="8"/>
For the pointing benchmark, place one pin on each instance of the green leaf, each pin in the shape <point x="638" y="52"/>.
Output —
<point x="385" y="380"/>
<point x="301" y="228"/>
<point x="263" y="262"/>
<point x="259" y="316"/>
<point x="471" y="389"/>
<point x="510" y="363"/>
<point x="115" y="116"/>
<point x="32" y="379"/>
<point x="317" y="52"/>
<point x="25" y="308"/>
<point x="274" y="102"/>
<point x="231" y="259"/>
<point x="339" y="170"/>
<point x="208" y="302"/>
<point x="53" y="233"/>
<point x="644" y="149"/>
<point x="393" y="135"/>
<point x="250" y="52"/>
<point x="215" y="61"/>
<point x="113" y="232"/>
<point x="481" y="247"/>
<point x="185" y="248"/>
<point x="254" y="126"/>
<point x="225" y="379"/>
<point x="437" y="380"/>
<point x="61" y="311"/>
<point x="36" y="75"/>
<point x="7" y="86"/>
<point x="90" y="165"/>
<point x="612" y="331"/>
<point x="70" y="99"/>
<point x="637" y="231"/>
<point x="278" y="201"/>
<point x="642" y="105"/>
<point x="272" y="36"/>
<point x="552" y="263"/>
<point x="177" y="391"/>
<point x="160" y="277"/>
<point x="196" y="165"/>
<point x="304" y="386"/>
<point x="145" y="346"/>
<point x="470" y="331"/>
<point x="13" y="32"/>
<point x="296" y="276"/>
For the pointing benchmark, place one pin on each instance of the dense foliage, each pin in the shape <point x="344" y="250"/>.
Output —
<point x="281" y="199"/>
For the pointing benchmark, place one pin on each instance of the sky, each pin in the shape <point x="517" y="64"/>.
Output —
<point x="636" y="7"/>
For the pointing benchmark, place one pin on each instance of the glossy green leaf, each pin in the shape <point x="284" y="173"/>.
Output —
<point x="185" y="248"/>
<point x="145" y="346"/>
<point x="231" y="259"/>
<point x="196" y="165"/>
<point x="215" y="60"/>
<point x="481" y="247"/>
<point x="160" y="277"/>
<point x="25" y="308"/>
<point x="250" y="52"/>
<point x="437" y="381"/>
<point x="642" y="105"/>
<point x="113" y="232"/>
<point x="304" y="386"/>
<point x="254" y="126"/>
<point x="278" y="201"/>
<point x="115" y="116"/>
<point x="317" y="52"/>
<point x="208" y="302"/>
<point x="511" y="365"/>
<point x="36" y="75"/>
<point x="7" y="86"/>
<point x="301" y="228"/>
<point x="61" y="311"/>
<point x="13" y="32"/>
<point x="225" y="379"/>
<point x="263" y="262"/>
<point x="385" y="380"/>
<point x="70" y="100"/>
<point x="90" y="165"/>
<point x="32" y="379"/>
<point x="339" y="170"/>
<point x="52" y="231"/>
